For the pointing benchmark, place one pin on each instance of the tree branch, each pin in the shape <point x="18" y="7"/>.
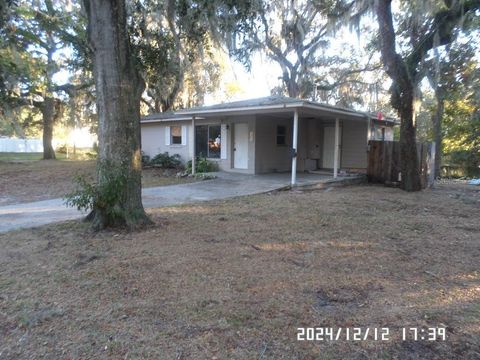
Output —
<point x="442" y="30"/>
<point x="343" y="78"/>
<point x="70" y="88"/>
<point x="274" y="49"/>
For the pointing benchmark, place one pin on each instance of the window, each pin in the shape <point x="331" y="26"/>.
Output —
<point x="281" y="135"/>
<point x="176" y="134"/>
<point x="214" y="141"/>
<point x="208" y="141"/>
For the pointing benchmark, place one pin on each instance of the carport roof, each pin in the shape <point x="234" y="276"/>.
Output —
<point x="257" y="105"/>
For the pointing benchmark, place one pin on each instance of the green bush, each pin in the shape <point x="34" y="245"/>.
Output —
<point x="145" y="159"/>
<point x="167" y="161"/>
<point x="202" y="165"/>
<point x="62" y="149"/>
<point x="91" y="155"/>
<point x="104" y="197"/>
<point x="467" y="162"/>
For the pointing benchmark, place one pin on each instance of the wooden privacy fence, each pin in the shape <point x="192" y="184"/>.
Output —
<point x="384" y="162"/>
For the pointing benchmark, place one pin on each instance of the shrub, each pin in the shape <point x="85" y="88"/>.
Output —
<point x="202" y="165"/>
<point x="166" y="161"/>
<point x="91" y="155"/>
<point x="61" y="149"/>
<point x="145" y="159"/>
<point x="468" y="162"/>
<point x="104" y="197"/>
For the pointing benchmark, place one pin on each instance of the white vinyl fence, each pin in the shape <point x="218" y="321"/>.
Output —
<point x="21" y="145"/>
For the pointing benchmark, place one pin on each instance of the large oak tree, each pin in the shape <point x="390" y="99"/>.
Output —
<point x="34" y="41"/>
<point x="295" y="35"/>
<point x="119" y="88"/>
<point x="440" y="29"/>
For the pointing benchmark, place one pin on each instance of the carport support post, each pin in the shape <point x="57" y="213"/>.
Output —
<point x="335" y="151"/>
<point x="294" y="148"/>
<point x="193" y="145"/>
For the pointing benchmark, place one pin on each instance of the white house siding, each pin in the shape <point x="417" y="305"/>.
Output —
<point x="270" y="156"/>
<point x="264" y="155"/>
<point x="354" y="144"/>
<point x="154" y="140"/>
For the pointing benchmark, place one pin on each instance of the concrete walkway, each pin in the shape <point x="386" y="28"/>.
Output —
<point x="227" y="185"/>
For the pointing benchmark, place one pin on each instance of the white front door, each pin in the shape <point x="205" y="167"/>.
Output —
<point x="329" y="147"/>
<point x="240" y="146"/>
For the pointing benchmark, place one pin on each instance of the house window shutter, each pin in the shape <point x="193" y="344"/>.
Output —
<point x="167" y="135"/>
<point x="223" y="143"/>
<point x="184" y="135"/>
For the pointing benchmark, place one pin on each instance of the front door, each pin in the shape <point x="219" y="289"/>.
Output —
<point x="240" y="146"/>
<point x="329" y="147"/>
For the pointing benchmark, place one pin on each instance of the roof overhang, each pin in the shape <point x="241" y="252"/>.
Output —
<point x="166" y="119"/>
<point x="301" y="105"/>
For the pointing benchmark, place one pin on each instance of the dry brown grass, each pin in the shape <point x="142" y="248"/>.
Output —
<point x="26" y="181"/>
<point x="234" y="279"/>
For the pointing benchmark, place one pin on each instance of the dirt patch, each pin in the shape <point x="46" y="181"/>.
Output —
<point x="235" y="279"/>
<point x="25" y="181"/>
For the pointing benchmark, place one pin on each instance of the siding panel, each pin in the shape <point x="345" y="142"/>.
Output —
<point x="354" y="145"/>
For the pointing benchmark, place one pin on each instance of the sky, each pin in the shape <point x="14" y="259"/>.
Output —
<point x="264" y="74"/>
<point x="256" y="83"/>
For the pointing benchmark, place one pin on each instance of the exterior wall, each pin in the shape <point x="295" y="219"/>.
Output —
<point x="314" y="144"/>
<point x="153" y="140"/>
<point x="310" y="152"/>
<point x="380" y="132"/>
<point x="264" y="155"/>
<point x="270" y="156"/>
<point x="227" y="164"/>
<point x="389" y="133"/>
<point x="354" y="145"/>
<point x="310" y="144"/>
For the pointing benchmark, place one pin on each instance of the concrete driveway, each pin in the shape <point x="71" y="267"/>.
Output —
<point x="227" y="185"/>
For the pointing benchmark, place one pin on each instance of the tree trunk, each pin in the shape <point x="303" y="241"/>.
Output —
<point x="437" y="131"/>
<point x="48" y="105"/>
<point x="409" y="165"/>
<point x="48" y="116"/>
<point x="402" y="92"/>
<point x="290" y="81"/>
<point x="118" y="88"/>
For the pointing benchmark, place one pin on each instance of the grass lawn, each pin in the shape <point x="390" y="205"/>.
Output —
<point x="81" y="154"/>
<point x="21" y="156"/>
<point x="25" y="178"/>
<point x="235" y="279"/>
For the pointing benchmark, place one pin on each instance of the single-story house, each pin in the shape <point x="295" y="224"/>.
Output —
<point x="270" y="134"/>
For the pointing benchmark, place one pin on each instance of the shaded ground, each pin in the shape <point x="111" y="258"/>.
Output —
<point x="21" y="156"/>
<point x="234" y="279"/>
<point x="26" y="181"/>
<point x="224" y="186"/>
